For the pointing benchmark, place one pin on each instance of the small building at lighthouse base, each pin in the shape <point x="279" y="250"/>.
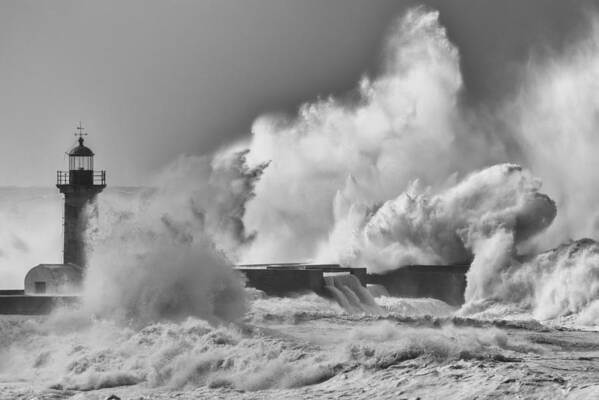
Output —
<point x="54" y="279"/>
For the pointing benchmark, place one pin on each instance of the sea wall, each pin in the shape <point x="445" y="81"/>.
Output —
<point x="284" y="279"/>
<point x="12" y="292"/>
<point x="443" y="282"/>
<point x="32" y="305"/>
<point x="282" y="282"/>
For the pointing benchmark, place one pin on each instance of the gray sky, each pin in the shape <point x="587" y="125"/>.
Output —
<point x="151" y="80"/>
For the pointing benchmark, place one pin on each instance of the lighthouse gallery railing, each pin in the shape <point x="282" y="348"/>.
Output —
<point x="81" y="177"/>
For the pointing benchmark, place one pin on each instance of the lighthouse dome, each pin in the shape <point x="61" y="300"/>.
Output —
<point x="81" y="150"/>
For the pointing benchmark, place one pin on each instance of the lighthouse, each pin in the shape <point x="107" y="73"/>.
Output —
<point x="80" y="185"/>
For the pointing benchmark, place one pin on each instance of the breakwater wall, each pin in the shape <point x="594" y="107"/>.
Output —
<point x="20" y="304"/>
<point x="288" y="278"/>
<point x="443" y="282"/>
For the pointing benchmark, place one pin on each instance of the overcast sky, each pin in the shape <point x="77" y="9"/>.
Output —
<point x="151" y="80"/>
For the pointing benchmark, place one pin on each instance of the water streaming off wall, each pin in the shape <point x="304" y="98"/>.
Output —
<point x="347" y="290"/>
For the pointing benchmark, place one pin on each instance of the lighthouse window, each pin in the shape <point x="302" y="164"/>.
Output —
<point x="81" y="162"/>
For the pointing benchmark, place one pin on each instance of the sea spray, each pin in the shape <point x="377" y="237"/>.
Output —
<point x="403" y="124"/>
<point x="165" y="252"/>
<point x="339" y="187"/>
<point x="554" y="122"/>
<point x="420" y="227"/>
<point x="562" y="282"/>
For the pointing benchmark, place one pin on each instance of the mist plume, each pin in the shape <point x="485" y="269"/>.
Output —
<point x="166" y="252"/>
<point x="404" y="124"/>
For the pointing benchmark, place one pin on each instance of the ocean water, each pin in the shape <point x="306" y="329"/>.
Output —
<point x="296" y="348"/>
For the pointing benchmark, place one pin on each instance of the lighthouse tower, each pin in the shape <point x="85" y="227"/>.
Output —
<point x="80" y="186"/>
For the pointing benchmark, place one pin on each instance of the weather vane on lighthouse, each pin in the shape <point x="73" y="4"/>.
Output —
<point x="80" y="133"/>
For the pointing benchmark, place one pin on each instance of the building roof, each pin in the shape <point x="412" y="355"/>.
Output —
<point x="81" y="150"/>
<point x="59" y="266"/>
<point x="58" y="272"/>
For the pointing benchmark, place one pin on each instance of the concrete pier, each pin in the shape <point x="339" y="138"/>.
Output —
<point x="443" y="282"/>
<point x="20" y="304"/>
<point x="284" y="279"/>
